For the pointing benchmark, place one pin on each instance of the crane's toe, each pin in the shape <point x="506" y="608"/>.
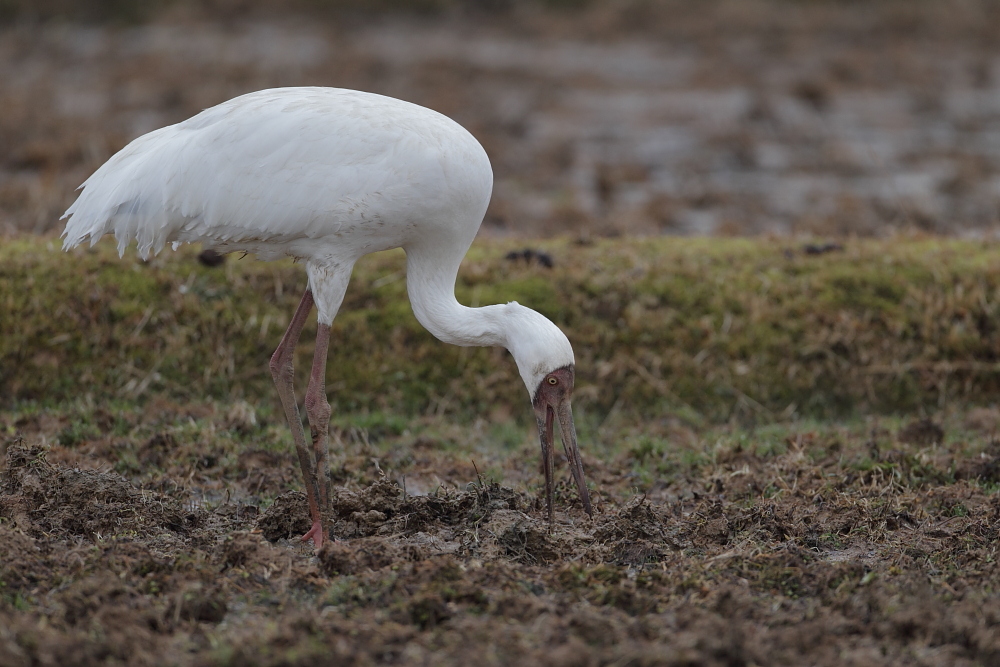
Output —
<point x="315" y="534"/>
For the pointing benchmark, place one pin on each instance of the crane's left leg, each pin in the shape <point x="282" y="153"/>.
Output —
<point x="283" y="374"/>
<point x="318" y="413"/>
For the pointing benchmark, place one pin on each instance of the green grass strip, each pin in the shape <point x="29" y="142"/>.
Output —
<point x="707" y="329"/>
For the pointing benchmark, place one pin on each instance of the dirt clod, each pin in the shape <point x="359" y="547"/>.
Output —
<point x="286" y="518"/>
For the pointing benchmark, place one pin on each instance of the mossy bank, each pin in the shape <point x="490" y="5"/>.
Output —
<point x="703" y="329"/>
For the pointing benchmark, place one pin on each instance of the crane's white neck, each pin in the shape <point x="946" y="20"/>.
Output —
<point x="538" y="345"/>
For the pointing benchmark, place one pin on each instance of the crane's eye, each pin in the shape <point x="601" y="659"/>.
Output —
<point x="553" y="381"/>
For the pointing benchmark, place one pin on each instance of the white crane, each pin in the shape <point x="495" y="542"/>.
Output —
<point x="325" y="176"/>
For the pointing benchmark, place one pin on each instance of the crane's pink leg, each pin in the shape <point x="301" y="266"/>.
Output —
<point x="283" y="373"/>
<point x="318" y="413"/>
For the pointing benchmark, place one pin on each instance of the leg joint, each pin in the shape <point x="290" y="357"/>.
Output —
<point x="317" y="407"/>
<point x="281" y="369"/>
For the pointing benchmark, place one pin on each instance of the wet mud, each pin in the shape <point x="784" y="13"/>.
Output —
<point x="757" y="558"/>
<point x="608" y="118"/>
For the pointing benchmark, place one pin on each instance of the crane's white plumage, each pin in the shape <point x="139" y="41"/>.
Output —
<point x="325" y="176"/>
<point x="278" y="170"/>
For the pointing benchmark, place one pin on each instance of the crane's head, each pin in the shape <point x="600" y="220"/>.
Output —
<point x="545" y="361"/>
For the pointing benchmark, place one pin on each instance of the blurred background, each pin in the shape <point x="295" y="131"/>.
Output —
<point x="602" y="118"/>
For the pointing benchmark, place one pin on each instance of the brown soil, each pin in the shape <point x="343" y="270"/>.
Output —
<point x="811" y="556"/>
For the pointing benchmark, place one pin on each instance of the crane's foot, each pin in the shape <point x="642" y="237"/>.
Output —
<point x="315" y="534"/>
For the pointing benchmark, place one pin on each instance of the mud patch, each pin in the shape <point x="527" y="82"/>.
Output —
<point x="367" y="553"/>
<point x="850" y="555"/>
<point x="521" y="538"/>
<point x="39" y="498"/>
<point x="382" y="508"/>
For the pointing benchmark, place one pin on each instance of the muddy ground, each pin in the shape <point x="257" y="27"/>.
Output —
<point x="167" y="535"/>
<point x="610" y="117"/>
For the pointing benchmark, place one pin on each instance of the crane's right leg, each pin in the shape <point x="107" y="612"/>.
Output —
<point x="283" y="373"/>
<point x="318" y="413"/>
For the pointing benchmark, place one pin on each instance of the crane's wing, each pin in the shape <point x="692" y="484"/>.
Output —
<point x="274" y="168"/>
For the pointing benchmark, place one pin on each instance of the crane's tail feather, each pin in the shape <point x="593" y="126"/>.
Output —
<point x="125" y="198"/>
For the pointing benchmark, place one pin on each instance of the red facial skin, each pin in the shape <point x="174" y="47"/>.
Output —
<point x="553" y="401"/>
<point x="555" y="387"/>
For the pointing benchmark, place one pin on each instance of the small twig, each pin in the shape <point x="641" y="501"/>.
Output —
<point x="478" y="476"/>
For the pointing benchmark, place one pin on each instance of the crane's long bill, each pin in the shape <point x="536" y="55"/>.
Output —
<point x="567" y="429"/>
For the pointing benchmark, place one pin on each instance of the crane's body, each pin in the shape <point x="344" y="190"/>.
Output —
<point x="322" y="175"/>
<point x="326" y="176"/>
